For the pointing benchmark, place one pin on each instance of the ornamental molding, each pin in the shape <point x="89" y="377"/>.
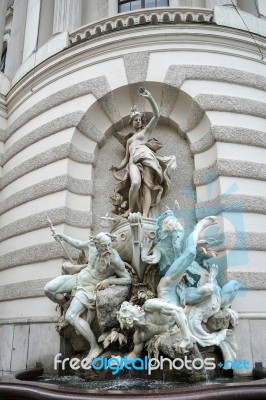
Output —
<point x="142" y="17"/>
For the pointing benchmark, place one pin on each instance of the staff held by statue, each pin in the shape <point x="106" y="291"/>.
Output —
<point x="58" y="240"/>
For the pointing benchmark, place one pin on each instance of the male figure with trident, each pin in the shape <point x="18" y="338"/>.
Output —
<point x="104" y="268"/>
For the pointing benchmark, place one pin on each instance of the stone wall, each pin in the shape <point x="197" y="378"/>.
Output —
<point x="28" y="345"/>
<point x="56" y="132"/>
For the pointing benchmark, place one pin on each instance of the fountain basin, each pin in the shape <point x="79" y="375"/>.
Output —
<point x="23" y="385"/>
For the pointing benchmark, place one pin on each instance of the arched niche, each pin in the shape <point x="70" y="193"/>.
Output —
<point x="174" y="143"/>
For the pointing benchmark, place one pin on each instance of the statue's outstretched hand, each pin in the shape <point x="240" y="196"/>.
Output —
<point x="144" y="92"/>
<point x="113" y="168"/>
<point x="58" y="236"/>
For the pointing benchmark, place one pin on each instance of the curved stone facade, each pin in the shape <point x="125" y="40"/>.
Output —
<point x="61" y="102"/>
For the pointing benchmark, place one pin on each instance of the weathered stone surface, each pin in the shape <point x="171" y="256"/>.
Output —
<point x="23" y="290"/>
<point x="44" y="344"/>
<point x="38" y="221"/>
<point x="108" y="302"/>
<point x="66" y="150"/>
<point x="250" y="280"/>
<point x="185" y="374"/>
<point x="56" y="125"/>
<point x="165" y="374"/>
<point x="20" y="347"/>
<point x="46" y="187"/>
<point x="177" y="74"/>
<point x="229" y="134"/>
<point x="31" y="254"/>
<point x="166" y="347"/>
<point x="218" y="321"/>
<point x="6" y="342"/>
<point x="136" y="65"/>
<point x="225" y="167"/>
<point x="77" y="342"/>
<point x="231" y="203"/>
<point x="99" y="87"/>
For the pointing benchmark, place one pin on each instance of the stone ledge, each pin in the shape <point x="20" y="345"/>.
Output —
<point x="140" y="17"/>
<point x="28" y="320"/>
<point x="80" y="219"/>
<point x="222" y="103"/>
<point x="23" y="290"/>
<point x="66" y="150"/>
<point x="46" y="187"/>
<point x="229" y="134"/>
<point x="37" y="253"/>
<point x="177" y="74"/>
<point x="244" y="241"/>
<point x="42" y="132"/>
<point x="252" y="315"/>
<point x="231" y="168"/>
<point x="231" y="203"/>
<point x="249" y="280"/>
<point x="99" y="87"/>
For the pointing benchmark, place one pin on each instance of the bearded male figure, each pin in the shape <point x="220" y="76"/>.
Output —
<point x="104" y="268"/>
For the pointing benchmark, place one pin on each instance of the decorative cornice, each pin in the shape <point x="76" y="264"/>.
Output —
<point x="142" y="17"/>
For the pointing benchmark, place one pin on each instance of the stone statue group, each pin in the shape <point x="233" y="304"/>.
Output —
<point x="174" y="282"/>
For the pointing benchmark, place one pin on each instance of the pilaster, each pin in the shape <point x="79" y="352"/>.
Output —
<point x="67" y="15"/>
<point x="32" y="28"/>
<point x="112" y="7"/>
<point x="3" y="8"/>
<point x="15" y="50"/>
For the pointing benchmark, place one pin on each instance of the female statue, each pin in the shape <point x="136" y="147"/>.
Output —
<point x="147" y="177"/>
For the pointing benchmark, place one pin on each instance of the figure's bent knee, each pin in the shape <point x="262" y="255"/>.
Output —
<point x="71" y="317"/>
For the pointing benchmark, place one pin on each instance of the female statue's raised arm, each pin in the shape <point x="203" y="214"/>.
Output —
<point x="153" y="122"/>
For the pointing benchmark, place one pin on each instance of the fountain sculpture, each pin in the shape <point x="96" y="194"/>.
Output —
<point x="142" y="284"/>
